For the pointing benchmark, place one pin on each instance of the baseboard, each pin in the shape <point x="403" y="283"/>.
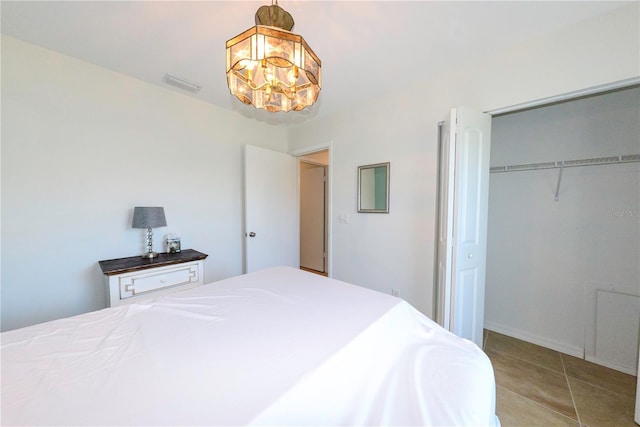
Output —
<point x="613" y="366"/>
<point x="535" y="339"/>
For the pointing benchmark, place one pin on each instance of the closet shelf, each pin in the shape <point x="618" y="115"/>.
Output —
<point x="628" y="158"/>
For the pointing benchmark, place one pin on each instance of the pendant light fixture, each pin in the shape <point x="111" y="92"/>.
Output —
<point x="270" y="67"/>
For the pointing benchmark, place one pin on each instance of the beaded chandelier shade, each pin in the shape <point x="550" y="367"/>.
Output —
<point x="272" y="68"/>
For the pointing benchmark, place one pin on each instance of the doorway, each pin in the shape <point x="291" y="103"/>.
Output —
<point x="314" y="215"/>
<point x="563" y="229"/>
<point x="598" y="293"/>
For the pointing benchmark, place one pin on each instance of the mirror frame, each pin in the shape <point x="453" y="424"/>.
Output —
<point x="387" y="166"/>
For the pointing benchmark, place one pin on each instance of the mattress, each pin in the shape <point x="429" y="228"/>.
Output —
<point x="275" y="347"/>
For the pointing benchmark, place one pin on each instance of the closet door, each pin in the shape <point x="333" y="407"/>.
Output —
<point x="462" y="230"/>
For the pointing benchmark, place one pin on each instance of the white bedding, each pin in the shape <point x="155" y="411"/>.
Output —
<point x="276" y="347"/>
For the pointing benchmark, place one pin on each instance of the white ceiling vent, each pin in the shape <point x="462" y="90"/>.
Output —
<point x="181" y="83"/>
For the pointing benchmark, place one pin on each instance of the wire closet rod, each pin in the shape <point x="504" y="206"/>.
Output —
<point x="628" y="158"/>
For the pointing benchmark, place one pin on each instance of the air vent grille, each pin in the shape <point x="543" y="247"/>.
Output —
<point x="181" y="83"/>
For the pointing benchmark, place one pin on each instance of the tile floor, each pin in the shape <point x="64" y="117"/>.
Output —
<point x="541" y="387"/>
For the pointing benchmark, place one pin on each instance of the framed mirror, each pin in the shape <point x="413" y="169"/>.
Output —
<point x="373" y="188"/>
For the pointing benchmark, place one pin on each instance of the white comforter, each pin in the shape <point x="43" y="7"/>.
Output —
<point x="276" y="347"/>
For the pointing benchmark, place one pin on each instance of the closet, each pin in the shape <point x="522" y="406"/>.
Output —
<point x="563" y="252"/>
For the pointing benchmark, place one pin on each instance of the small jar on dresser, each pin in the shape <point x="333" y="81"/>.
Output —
<point x="134" y="278"/>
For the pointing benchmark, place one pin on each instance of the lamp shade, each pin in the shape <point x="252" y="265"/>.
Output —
<point x="148" y="217"/>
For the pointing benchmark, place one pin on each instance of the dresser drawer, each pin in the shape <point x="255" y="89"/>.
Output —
<point x="159" y="279"/>
<point x="131" y="287"/>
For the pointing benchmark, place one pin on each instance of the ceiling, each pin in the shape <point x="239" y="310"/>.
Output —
<point x="364" y="45"/>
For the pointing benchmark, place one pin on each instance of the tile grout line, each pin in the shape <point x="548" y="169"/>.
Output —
<point x="601" y="387"/>
<point x="566" y="377"/>
<point x="533" y="402"/>
<point x="553" y="371"/>
<point x="592" y="381"/>
<point x="539" y="405"/>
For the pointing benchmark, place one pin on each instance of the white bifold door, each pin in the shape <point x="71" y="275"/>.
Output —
<point x="462" y="222"/>
<point x="272" y="230"/>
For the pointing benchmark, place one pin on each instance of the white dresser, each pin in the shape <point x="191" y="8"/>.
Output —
<point x="134" y="278"/>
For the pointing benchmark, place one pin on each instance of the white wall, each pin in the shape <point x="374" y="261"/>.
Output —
<point x="380" y="251"/>
<point x="81" y="146"/>
<point x="396" y="250"/>
<point x="545" y="256"/>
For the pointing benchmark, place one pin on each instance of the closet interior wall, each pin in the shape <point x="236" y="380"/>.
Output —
<point x="563" y="255"/>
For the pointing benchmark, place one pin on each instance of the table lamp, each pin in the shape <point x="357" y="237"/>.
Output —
<point x="149" y="217"/>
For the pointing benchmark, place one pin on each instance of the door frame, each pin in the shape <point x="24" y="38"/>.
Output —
<point x="300" y="152"/>
<point x="439" y="310"/>
<point x="568" y="96"/>
<point x="325" y="215"/>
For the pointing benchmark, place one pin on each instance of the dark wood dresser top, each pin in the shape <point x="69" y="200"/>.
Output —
<point x="136" y="263"/>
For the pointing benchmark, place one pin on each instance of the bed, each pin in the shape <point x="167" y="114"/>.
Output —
<point x="276" y="347"/>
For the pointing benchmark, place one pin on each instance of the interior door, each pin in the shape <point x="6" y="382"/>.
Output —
<point x="446" y="167"/>
<point x="270" y="209"/>
<point x="462" y="231"/>
<point x="312" y="216"/>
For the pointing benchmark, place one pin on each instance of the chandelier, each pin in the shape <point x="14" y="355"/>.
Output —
<point x="270" y="67"/>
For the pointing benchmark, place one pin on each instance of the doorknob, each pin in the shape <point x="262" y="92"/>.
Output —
<point x="252" y="234"/>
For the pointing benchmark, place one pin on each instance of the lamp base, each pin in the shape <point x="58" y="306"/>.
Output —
<point x="150" y="255"/>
